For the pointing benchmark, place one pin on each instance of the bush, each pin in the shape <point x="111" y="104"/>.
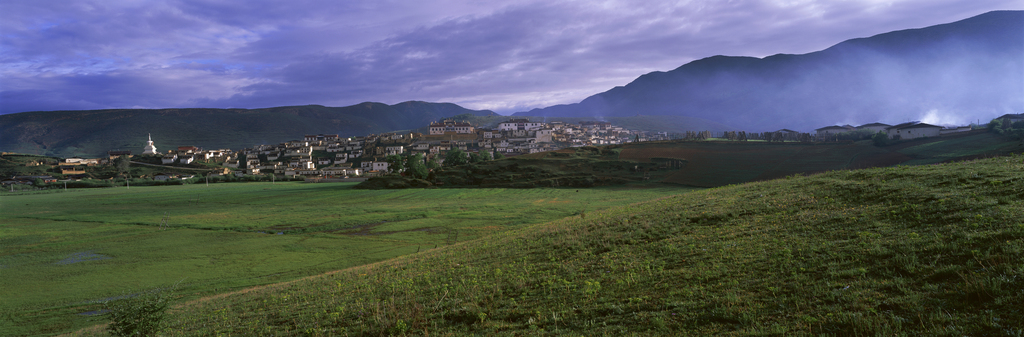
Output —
<point x="880" y="139"/>
<point x="136" y="314"/>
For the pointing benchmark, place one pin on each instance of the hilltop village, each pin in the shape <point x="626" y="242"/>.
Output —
<point x="331" y="156"/>
<point x="327" y="157"/>
<point x="334" y="157"/>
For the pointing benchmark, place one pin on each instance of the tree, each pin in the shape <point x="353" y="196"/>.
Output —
<point x="995" y="126"/>
<point x="475" y="158"/>
<point x="486" y="156"/>
<point x="432" y="164"/>
<point x="455" y="157"/>
<point x="396" y="164"/>
<point x="417" y="168"/>
<point x="121" y="164"/>
<point x="880" y="138"/>
<point x="498" y="155"/>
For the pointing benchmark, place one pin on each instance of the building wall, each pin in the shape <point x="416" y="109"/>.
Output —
<point x="508" y="126"/>
<point x="911" y="133"/>
<point x="831" y="131"/>
<point x="874" y="129"/>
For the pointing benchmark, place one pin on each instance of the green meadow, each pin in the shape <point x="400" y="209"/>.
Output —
<point x="934" y="250"/>
<point x="62" y="253"/>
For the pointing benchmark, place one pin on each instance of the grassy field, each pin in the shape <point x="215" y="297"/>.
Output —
<point x="723" y="163"/>
<point x="60" y="253"/>
<point x="971" y="144"/>
<point x="711" y="164"/>
<point x="920" y="250"/>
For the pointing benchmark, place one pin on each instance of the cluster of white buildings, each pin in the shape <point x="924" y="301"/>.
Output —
<point x="338" y="157"/>
<point x="189" y="154"/>
<point x="524" y="136"/>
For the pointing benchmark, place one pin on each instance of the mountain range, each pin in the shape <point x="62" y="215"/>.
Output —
<point x="963" y="71"/>
<point x="93" y="132"/>
<point x="957" y="72"/>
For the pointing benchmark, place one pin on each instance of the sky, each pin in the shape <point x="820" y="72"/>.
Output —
<point x="505" y="56"/>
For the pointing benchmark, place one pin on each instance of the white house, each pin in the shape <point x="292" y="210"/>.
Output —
<point x="300" y="151"/>
<point x="544" y="135"/>
<point x="304" y="164"/>
<point x="833" y="130"/>
<point x="488" y="134"/>
<point x="874" y="127"/>
<point x="449" y="126"/>
<point x="913" y="130"/>
<point x="169" y="159"/>
<point x="342" y="171"/>
<point x="374" y="166"/>
<point x="310" y="172"/>
<point x="519" y="124"/>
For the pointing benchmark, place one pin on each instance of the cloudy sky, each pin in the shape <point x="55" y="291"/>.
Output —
<point x="506" y="56"/>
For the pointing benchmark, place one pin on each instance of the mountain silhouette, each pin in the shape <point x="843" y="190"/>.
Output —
<point x="965" y="70"/>
<point x="93" y="132"/>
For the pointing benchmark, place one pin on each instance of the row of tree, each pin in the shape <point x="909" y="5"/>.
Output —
<point x="1007" y="128"/>
<point x="418" y="167"/>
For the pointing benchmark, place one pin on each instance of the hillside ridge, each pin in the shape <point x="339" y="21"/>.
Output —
<point x="888" y="77"/>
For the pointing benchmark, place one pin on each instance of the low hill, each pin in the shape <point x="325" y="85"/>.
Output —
<point x="972" y="67"/>
<point x="91" y="133"/>
<point x="921" y="250"/>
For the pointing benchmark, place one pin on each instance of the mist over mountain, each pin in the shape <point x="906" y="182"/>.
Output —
<point x="953" y="73"/>
<point x="93" y="132"/>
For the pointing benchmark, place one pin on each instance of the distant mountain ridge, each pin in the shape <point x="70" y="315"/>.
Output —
<point x="93" y="132"/>
<point x="973" y="66"/>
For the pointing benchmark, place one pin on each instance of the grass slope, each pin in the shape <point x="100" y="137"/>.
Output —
<point x="924" y="250"/>
<point x="62" y="252"/>
<point x="706" y="163"/>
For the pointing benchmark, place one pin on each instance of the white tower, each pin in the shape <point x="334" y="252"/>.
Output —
<point x="150" y="149"/>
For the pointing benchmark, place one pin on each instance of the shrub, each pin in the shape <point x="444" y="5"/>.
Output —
<point x="880" y="139"/>
<point x="136" y="314"/>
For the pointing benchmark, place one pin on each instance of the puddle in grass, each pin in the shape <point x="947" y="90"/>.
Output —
<point x="82" y="257"/>
<point x="367" y="229"/>
<point x="94" y="312"/>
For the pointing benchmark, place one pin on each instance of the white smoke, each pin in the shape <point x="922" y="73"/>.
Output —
<point x="944" y="118"/>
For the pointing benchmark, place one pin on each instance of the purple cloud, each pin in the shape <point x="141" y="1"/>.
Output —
<point x="495" y="55"/>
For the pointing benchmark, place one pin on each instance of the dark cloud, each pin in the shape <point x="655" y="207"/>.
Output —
<point x="482" y="54"/>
